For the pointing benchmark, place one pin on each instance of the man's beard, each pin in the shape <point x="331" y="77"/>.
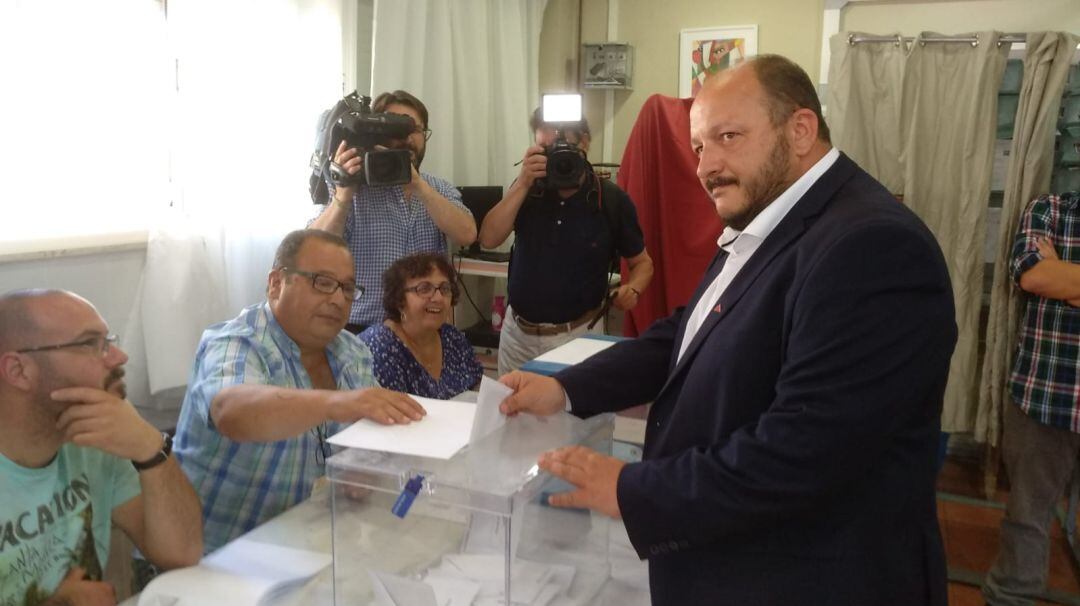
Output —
<point x="417" y="156"/>
<point x="114" y="383"/>
<point x="764" y="187"/>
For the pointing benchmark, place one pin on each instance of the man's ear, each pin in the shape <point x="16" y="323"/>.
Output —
<point x="274" y="281"/>
<point x="18" y="370"/>
<point x="803" y="127"/>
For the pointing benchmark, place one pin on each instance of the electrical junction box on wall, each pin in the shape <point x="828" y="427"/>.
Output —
<point x="609" y="65"/>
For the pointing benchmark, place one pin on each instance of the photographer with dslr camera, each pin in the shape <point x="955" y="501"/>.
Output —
<point x="571" y="228"/>
<point x="383" y="223"/>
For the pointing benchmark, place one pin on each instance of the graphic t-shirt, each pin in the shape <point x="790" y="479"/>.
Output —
<point x="58" y="517"/>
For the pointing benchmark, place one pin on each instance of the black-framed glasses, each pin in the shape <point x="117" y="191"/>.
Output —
<point x="327" y="285"/>
<point x="99" y="344"/>
<point x="427" y="289"/>
<point x="322" y="449"/>
<point x="426" y="132"/>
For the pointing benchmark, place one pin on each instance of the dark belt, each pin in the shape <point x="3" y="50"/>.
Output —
<point x="548" y="330"/>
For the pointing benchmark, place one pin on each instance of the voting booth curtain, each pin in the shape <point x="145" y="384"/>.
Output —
<point x="948" y="114"/>
<point x="1046" y="65"/>
<point x="921" y="117"/>
<point x="863" y="101"/>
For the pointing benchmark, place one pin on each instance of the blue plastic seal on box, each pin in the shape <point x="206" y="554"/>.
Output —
<point x="405" y="499"/>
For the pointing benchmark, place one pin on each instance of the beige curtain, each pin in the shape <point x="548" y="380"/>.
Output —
<point x="863" y="105"/>
<point x="1046" y="65"/>
<point x="948" y="110"/>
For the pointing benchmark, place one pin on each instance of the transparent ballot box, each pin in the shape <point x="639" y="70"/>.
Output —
<point x="479" y="530"/>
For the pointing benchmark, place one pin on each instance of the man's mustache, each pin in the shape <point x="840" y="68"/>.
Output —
<point x="114" y="377"/>
<point x="720" y="182"/>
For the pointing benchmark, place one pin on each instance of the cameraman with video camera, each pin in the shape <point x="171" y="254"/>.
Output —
<point x="383" y="223"/>
<point x="571" y="229"/>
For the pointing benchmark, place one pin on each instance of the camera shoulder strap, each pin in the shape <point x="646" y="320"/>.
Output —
<point x="611" y="207"/>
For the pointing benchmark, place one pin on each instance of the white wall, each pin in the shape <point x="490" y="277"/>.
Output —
<point x="108" y="279"/>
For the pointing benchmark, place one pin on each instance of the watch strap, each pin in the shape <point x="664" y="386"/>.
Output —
<point x="159" y="458"/>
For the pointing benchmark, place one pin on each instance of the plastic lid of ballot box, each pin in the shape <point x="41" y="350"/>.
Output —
<point x="479" y="514"/>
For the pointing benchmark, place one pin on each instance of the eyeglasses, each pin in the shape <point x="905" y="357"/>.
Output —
<point x="427" y="289"/>
<point x="328" y="285"/>
<point x="99" y="345"/>
<point x="423" y="131"/>
<point x="322" y="449"/>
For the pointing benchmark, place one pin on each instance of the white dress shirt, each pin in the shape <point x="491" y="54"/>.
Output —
<point x="740" y="246"/>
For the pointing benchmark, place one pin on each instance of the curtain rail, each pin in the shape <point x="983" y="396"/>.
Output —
<point x="897" y="40"/>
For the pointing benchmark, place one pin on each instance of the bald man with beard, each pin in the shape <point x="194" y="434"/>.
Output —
<point x="76" y="458"/>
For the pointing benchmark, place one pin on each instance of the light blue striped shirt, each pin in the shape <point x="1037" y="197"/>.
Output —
<point x="243" y="484"/>
<point x="384" y="227"/>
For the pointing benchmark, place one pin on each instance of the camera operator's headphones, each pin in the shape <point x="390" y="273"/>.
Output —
<point x="325" y="146"/>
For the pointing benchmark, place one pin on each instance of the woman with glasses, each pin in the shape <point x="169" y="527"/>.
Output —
<point x="415" y="349"/>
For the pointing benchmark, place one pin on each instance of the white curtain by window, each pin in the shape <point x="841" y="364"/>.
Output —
<point x="863" y="101"/>
<point x="1046" y="65"/>
<point x="252" y="78"/>
<point x="474" y="64"/>
<point x="948" y="114"/>
<point x="83" y="116"/>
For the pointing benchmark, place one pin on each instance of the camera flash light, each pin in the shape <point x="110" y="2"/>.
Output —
<point x="562" y="108"/>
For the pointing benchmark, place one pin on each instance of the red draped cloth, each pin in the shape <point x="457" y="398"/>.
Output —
<point x="678" y="218"/>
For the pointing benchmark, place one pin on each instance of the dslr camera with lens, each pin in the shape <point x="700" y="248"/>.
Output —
<point x="565" y="163"/>
<point x="352" y="120"/>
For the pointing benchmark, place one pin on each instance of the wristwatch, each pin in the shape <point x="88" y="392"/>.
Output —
<point x="159" y="458"/>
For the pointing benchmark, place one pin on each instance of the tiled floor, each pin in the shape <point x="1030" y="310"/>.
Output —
<point x="970" y="526"/>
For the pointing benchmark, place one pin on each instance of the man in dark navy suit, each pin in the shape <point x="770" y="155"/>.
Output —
<point x="791" y="446"/>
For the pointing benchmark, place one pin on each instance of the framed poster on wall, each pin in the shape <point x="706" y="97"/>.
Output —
<point x="706" y="50"/>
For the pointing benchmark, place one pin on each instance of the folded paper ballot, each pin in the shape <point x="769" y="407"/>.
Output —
<point x="448" y="427"/>
<point x="533" y="583"/>
<point x="393" y="590"/>
<point x="242" y="573"/>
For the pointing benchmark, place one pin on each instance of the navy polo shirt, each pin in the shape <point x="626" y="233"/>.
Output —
<point x="559" y="264"/>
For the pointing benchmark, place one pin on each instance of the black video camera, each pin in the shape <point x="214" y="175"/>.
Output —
<point x="363" y="129"/>
<point x="352" y="120"/>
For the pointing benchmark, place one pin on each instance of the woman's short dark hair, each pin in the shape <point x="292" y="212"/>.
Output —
<point x="409" y="268"/>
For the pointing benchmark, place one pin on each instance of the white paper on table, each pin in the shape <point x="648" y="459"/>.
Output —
<point x="201" y="585"/>
<point x="242" y="572"/>
<point x="393" y="590"/>
<point x="277" y="563"/>
<point x="440" y="434"/>
<point x="488" y="418"/>
<point x="575" y="351"/>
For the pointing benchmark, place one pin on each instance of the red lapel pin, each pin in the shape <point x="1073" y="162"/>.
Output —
<point x="717" y="308"/>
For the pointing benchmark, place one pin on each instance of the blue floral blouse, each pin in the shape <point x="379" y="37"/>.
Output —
<point x="396" y="368"/>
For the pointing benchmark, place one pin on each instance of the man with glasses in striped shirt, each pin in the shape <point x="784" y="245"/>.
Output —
<point x="269" y="385"/>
